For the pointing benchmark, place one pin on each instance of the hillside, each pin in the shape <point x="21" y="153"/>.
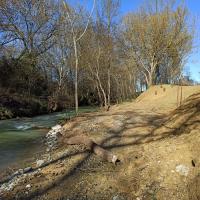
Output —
<point x="157" y="144"/>
<point x="166" y="96"/>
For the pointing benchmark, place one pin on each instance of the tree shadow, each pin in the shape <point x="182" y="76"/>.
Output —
<point x="157" y="127"/>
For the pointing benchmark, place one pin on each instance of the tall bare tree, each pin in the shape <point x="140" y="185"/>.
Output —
<point x="107" y="12"/>
<point x="159" y="42"/>
<point x="71" y="17"/>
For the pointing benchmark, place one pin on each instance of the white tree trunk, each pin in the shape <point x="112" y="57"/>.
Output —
<point x="76" y="76"/>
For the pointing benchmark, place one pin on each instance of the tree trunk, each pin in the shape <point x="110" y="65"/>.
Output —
<point x="108" y="88"/>
<point x="99" y="95"/>
<point x="150" y="82"/>
<point x="100" y="85"/>
<point x="76" y="76"/>
<point x="102" y="90"/>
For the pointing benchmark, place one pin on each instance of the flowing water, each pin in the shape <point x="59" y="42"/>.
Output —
<point x="22" y="139"/>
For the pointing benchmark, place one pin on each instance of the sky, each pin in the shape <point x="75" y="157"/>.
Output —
<point x="193" y="62"/>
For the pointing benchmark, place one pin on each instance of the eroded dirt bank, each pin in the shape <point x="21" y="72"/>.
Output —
<point x="158" y="148"/>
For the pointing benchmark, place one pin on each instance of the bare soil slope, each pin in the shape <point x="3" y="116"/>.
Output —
<point x="158" y="148"/>
<point x="166" y="96"/>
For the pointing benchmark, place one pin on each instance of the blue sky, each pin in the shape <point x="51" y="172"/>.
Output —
<point x="193" y="63"/>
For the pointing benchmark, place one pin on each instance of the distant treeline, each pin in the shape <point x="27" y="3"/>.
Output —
<point x="62" y="55"/>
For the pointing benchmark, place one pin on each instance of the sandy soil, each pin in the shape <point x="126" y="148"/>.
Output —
<point x="158" y="146"/>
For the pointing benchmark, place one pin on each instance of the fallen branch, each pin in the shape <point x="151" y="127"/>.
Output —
<point x="93" y="147"/>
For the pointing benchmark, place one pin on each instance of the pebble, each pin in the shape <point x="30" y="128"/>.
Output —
<point x="117" y="197"/>
<point x="10" y="185"/>
<point x="21" y="171"/>
<point x="27" y="169"/>
<point x="39" y="163"/>
<point x="28" y="186"/>
<point x="52" y="137"/>
<point x="182" y="170"/>
<point x="56" y="127"/>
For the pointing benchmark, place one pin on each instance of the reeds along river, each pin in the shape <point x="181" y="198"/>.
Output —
<point x="21" y="140"/>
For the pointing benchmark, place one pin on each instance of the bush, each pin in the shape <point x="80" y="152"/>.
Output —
<point x="5" y="113"/>
<point x="21" y="106"/>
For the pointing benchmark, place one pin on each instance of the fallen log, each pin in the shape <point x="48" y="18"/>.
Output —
<point x="93" y="147"/>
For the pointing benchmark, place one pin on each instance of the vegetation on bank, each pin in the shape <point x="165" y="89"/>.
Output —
<point x="5" y="113"/>
<point x="18" y="106"/>
<point x="58" y="52"/>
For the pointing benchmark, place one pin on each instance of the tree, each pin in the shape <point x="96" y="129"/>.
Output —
<point x="27" y="29"/>
<point x="58" y="60"/>
<point x="107" y="14"/>
<point x="72" y="18"/>
<point x="29" y="25"/>
<point x="159" y="42"/>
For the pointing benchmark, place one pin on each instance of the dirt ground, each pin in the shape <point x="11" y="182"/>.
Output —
<point x="158" y="146"/>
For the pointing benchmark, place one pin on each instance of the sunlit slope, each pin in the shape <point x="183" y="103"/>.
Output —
<point x="168" y="96"/>
<point x="186" y="116"/>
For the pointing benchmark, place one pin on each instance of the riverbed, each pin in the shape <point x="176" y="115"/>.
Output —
<point x="22" y="140"/>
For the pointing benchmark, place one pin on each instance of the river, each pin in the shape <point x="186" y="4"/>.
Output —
<point x="21" y="140"/>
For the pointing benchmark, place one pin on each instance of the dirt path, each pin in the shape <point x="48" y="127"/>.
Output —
<point x="124" y="132"/>
<point x="159" y="160"/>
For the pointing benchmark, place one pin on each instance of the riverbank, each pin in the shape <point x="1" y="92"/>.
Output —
<point x="21" y="139"/>
<point x="157" y="145"/>
<point x="17" y="106"/>
<point x="14" y="105"/>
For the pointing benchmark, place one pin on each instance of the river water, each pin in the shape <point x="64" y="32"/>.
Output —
<point x="21" y="140"/>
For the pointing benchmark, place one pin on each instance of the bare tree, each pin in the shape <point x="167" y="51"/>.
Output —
<point x="71" y="17"/>
<point x="158" y="42"/>
<point x="28" y="24"/>
<point x="109" y="10"/>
